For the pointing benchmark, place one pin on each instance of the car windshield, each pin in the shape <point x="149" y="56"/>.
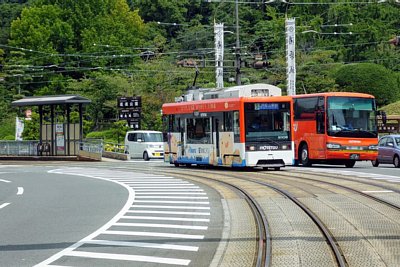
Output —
<point x="397" y="139"/>
<point x="352" y="117"/>
<point x="153" y="137"/>
<point x="267" y="122"/>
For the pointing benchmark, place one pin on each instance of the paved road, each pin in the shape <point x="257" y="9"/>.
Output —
<point x="42" y="213"/>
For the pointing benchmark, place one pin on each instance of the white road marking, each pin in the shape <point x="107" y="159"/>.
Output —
<point x="20" y="191"/>
<point x="169" y="193"/>
<point x="168" y="212"/>
<point x="5" y="181"/>
<point x="164" y="187"/>
<point x="156" y="225"/>
<point x="4" y="205"/>
<point x="167" y="190"/>
<point x="165" y="218"/>
<point x="378" y="191"/>
<point x="126" y="257"/>
<point x="153" y="234"/>
<point x="171" y="207"/>
<point x="173" y="202"/>
<point x="161" y="183"/>
<point x="143" y="245"/>
<point x="169" y="197"/>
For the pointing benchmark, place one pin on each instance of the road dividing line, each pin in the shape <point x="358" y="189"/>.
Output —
<point x="165" y="187"/>
<point x="169" y="197"/>
<point x="20" y="191"/>
<point x="4" y="205"/>
<point x="5" y="181"/>
<point x="153" y="234"/>
<point x="125" y="257"/>
<point x="142" y="245"/>
<point x="156" y="225"/>
<point x="168" y="193"/>
<point x="378" y="191"/>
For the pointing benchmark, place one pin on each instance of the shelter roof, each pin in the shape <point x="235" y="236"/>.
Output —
<point x="51" y="100"/>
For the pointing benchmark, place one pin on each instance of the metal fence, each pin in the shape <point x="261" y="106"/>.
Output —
<point x="32" y="148"/>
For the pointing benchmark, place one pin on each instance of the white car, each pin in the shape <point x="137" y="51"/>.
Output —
<point x="144" y="144"/>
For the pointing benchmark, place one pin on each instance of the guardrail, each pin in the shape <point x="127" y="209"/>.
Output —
<point x="19" y="148"/>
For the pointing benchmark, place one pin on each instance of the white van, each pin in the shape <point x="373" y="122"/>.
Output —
<point x="144" y="144"/>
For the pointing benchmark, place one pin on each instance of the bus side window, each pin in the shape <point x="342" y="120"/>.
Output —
<point x="320" y="115"/>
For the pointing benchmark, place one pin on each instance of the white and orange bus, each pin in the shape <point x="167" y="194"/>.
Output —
<point x="335" y="128"/>
<point x="241" y="126"/>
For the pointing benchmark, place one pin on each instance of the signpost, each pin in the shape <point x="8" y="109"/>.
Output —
<point x="130" y="109"/>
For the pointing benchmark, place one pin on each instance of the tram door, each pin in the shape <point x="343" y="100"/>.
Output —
<point x="217" y="128"/>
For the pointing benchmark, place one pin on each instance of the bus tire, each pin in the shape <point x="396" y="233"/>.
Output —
<point x="305" y="156"/>
<point x="146" y="156"/>
<point x="396" y="161"/>
<point x="350" y="163"/>
<point x="375" y="163"/>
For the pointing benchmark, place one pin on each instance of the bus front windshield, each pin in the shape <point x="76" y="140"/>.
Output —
<point x="267" y="122"/>
<point x="352" y="117"/>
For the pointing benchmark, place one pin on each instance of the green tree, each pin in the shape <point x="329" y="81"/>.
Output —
<point x="369" y="78"/>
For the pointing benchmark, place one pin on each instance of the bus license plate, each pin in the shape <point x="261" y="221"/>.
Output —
<point x="354" y="156"/>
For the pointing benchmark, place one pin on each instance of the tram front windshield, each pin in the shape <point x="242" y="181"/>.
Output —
<point x="267" y="122"/>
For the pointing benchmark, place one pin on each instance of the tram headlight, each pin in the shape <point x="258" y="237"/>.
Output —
<point x="251" y="148"/>
<point x="373" y="147"/>
<point x="333" y="146"/>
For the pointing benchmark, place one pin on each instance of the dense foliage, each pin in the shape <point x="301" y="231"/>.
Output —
<point x="103" y="49"/>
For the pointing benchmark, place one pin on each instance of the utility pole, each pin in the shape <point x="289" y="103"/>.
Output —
<point x="219" y="54"/>
<point x="238" y="81"/>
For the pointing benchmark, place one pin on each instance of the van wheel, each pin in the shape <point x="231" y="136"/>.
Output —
<point x="304" y="156"/>
<point x="146" y="156"/>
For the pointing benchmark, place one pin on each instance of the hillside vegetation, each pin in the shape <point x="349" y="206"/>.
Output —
<point x="103" y="49"/>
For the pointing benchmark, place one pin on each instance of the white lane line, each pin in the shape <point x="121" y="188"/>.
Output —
<point x="20" y="191"/>
<point x="173" y="202"/>
<point x="378" y="191"/>
<point x="169" y="193"/>
<point x="394" y="181"/>
<point x="143" y="245"/>
<point x="171" y="207"/>
<point x="165" y="218"/>
<point x="156" y="225"/>
<point x="161" y="183"/>
<point x="153" y="234"/>
<point x="5" y="181"/>
<point x="168" y="190"/>
<point x="168" y="197"/>
<point x="169" y="212"/>
<point x="4" y="205"/>
<point x="126" y="257"/>
<point x="164" y="187"/>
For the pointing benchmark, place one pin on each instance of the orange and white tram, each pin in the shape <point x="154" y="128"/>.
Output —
<point x="241" y="126"/>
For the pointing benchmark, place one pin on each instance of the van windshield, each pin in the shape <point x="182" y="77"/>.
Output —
<point x="153" y="137"/>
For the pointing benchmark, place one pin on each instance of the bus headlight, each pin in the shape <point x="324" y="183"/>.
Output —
<point x="333" y="146"/>
<point x="373" y="147"/>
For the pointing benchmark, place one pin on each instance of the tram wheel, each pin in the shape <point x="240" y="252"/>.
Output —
<point x="304" y="156"/>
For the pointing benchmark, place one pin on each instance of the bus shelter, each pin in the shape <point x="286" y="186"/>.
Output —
<point x="58" y="136"/>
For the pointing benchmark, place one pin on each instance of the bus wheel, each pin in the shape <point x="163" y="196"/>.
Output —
<point x="350" y="164"/>
<point x="146" y="156"/>
<point x="375" y="163"/>
<point x="396" y="161"/>
<point x="304" y="156"/>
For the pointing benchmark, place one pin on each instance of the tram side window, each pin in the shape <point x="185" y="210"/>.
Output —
<point x="236" y="126"/>
<point x="228" y="121"/>
<point x="198" y="131"/>
<point x="175" y="124"/>
<point x="304" y="108"/>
